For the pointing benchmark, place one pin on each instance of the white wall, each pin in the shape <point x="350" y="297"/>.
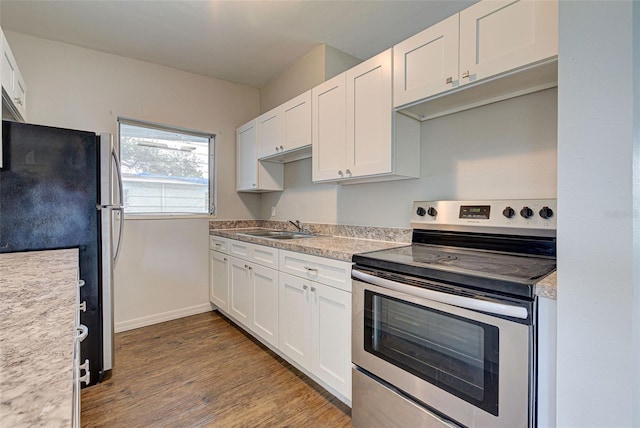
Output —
<point x="501" y="150"/>
<point x="596" y="245"/>
<point x="321" y="63"/>
<point x="163" y="271"/>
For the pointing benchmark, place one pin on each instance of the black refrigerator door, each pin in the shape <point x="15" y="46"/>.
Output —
<point x="49" y="186"/>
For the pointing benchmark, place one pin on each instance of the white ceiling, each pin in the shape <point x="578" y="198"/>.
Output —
<point x="247" y="42"/>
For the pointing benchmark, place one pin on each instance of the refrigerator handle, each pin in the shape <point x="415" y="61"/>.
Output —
<point x="119" y="206"/>
<point x="116" y="161"/>
<point x="120" y="230"/>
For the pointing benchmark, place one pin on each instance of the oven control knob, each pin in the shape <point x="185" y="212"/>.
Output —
<point x="432" y="212"/>
<point x="526" y="212"/>
<point x="421" y="211"/>
<point x="509" y="212"/>
<point x="546" y="212"/>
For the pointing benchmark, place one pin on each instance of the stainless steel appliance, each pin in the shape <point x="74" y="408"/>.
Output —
<point x="61" y="188"/>
<point x="444" y="330"/>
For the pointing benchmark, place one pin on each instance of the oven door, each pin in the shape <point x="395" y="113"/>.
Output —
<point x="470" y="367"/>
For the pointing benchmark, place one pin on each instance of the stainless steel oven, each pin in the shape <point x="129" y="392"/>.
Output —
<point x="444" y="330"/>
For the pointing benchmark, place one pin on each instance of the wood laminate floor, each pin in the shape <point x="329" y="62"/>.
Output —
<point x="202" y="371"/>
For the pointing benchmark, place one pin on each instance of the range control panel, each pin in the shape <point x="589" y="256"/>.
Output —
<point x="537" y="214"/>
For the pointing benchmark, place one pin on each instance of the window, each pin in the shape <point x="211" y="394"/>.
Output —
<point x="166" y="170"/>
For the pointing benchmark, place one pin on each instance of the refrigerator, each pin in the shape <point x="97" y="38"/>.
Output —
<point x="62" y="188"/>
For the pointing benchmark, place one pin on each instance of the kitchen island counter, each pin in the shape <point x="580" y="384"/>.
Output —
<point x="37" y="302"/>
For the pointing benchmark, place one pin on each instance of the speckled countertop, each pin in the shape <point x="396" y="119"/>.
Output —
<point x="334" y="247"/>
<point x="37" y="307"/>
<point x="344" y="247"/>
<point x="548" y="286"/>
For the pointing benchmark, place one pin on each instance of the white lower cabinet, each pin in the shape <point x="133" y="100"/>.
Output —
<point x="315" y="330"/>
<point x="240" y="291"/>
<point x="264" y="320"/>
<point x="219" y="279"/>
<point x="297" y="304"/>
<point x="295" y="319"/>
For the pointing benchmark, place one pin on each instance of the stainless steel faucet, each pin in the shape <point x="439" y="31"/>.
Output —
<point x="297" y="224"/>
<point x="301" y="228"/>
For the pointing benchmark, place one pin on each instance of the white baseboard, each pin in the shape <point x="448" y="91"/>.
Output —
<point x="161" y="317"/>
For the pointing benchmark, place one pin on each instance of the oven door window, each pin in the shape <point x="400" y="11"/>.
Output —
<point x="456" y="354"/>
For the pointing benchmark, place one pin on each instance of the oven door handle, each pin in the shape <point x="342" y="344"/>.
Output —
<point x="449" y="299"/>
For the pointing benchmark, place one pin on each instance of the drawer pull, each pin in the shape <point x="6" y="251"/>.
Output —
<point x="313" y="289"/>
<point x="465" y="74"/>
<point x="304" y="287"/>
<point x="311" y="269"/>
<point x="83" y="306"/>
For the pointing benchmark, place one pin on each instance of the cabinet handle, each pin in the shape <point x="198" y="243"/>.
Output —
<point x="281" y="148"/>
<point x="313" y="289"/>
<point x="17" y="101"/>
<point x="449" y="80"/>
<point x="348" y="171"/>
<point x="340" y="173"/>
<point x="224" y="259"/>
<point x="253" y="184"/>
<point x="83" y="306"/>
<point x="250" y="268"/>
<point x="80" y="282"/>
<point x="304" y="287"/>
<point x="310" y="269"/>
<point x="465" y="74"/>
<point x="218" y="244"/>
<point x="276" y="148"/>
<point x="246" y="266"/>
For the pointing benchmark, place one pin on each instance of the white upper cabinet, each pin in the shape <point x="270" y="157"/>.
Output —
<point x="329" y="129"/>
<point x="13" y="86"/>
<point x="251" y="174"/>
<point x="356" y="135"/>
<point x="488" y="39"/>
<point x="284" y="133"/>
<point x="498" y="36"/>
<point x="427" y="63"/>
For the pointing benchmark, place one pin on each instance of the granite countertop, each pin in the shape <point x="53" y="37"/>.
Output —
<point x="548" y="286"/>
<point x="37" y="303"/>
<point x="343" y="248"/>
<point x="334" y="247"/>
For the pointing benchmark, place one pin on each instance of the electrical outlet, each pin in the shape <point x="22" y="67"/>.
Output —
<point x="273" y="211"/>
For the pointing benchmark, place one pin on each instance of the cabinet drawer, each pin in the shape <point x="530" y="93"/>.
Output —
<point x="331" y="272"/>
<point x="265" y="256"/>
<point x="219" y="244"/>
<point x="240" y="249"/>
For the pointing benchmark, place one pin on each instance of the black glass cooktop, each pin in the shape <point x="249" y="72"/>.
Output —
<point x="482" y="269"/>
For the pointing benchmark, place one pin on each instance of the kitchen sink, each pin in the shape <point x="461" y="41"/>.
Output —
<point x="277" y="234"/>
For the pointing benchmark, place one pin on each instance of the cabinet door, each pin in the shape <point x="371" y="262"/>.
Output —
<point x="296" y="122"/>
<point x="247" y="157"/>
<point x="269" y="132"/>
<point x="427" y="63"/>
<point x="295" y="320"/>
<point x="369" y="113"/>
<point x="219" y="280"/>
<point x="329" y="129"/>
<point x="499" y="36"/>
<point x="265" y="303"/>
<point x="240" y="291"/>
<point x="331" y="327"/>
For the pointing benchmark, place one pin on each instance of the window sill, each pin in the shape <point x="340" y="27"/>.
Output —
<point x="168" y="216"/>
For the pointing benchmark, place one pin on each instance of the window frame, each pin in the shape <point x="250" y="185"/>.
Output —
<point x="213" y="185"/>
